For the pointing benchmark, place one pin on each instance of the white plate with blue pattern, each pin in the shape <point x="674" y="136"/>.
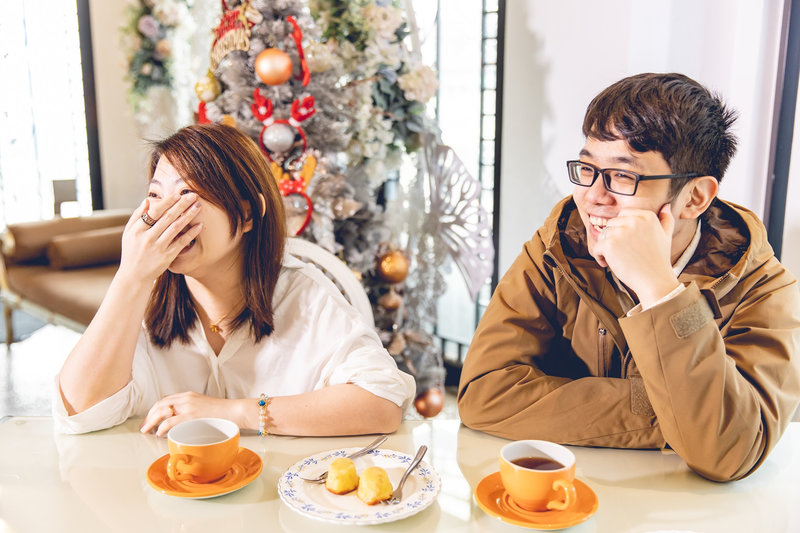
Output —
<point x="315" y="501"/>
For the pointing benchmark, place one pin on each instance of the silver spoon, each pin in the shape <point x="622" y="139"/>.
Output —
<point x="397" y="495"/>
<point x="371" y="446"/>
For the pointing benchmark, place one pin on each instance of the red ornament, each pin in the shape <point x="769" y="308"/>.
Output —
<point x="273" y="66"/>
<point x="201" y="113"/>
<point x="262" y="110"/>
<point x="430" y="402"/>
<point x="233" y="31"/>
<point x="297" y="35"/>
<point x="292" y="186"/>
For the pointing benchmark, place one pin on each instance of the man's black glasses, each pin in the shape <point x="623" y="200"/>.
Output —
<point x="616" y="180"/>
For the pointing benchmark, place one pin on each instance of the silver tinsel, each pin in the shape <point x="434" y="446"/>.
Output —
<point x="359" y="145"/>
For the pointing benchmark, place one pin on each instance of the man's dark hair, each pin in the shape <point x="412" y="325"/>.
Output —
<point x="667" y="113"/>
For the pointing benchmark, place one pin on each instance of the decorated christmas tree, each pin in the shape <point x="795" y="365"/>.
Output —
<point x="336" y="100"/>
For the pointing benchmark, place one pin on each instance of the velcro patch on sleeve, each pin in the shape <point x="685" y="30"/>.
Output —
<point x="640" y="403"/>
<point x="691" y="319"/>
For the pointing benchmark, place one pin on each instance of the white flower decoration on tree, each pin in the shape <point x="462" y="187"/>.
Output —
<point x="420" y="84"/>
<point x="384" y="20"/>
<point x="169" y="12"/>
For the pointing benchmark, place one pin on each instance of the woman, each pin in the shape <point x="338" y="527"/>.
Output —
<point x="206" y="316"/>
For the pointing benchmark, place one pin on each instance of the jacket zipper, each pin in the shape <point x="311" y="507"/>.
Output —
<point x="602" y="332"/>
<point x="602" y="363"/>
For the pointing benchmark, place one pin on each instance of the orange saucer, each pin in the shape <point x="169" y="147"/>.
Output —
<point x="245" y="469"/>
<point x="494" y="500"/>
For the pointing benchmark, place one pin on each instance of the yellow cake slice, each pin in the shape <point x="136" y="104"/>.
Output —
<point x="374" y="485"/>
<point x="342" y="476"/>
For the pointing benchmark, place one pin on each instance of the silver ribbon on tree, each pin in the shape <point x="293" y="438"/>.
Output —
<point x="454" y="215"/>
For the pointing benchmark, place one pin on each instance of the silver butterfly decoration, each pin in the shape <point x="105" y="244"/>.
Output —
<point x="455" y="218"/>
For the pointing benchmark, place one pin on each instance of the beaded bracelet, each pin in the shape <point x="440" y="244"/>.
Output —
<point x="263" y="401"/>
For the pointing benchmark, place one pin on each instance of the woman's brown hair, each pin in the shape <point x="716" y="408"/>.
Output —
<point x="225" y="167"/>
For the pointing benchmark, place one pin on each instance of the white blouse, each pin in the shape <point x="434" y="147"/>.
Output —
<point x="319" y="340"/>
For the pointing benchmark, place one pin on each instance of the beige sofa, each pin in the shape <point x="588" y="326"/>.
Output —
<point x="59" y="269"/>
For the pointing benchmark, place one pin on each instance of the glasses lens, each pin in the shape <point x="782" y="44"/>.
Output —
<point x="620" y="181"/>
<point x="580" y="173"/>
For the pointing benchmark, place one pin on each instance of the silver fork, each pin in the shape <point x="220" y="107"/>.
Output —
<point x="397" y="495"/>
<point x="368" y="448"/>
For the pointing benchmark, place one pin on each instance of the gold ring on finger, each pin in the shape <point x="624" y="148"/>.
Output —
<point x="147" y="219"/>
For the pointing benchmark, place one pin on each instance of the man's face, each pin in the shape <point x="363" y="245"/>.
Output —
<point x="597" y="206"/>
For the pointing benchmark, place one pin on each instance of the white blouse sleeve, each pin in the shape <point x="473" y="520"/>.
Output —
<point x="354" y="351"/>
<point x="128" y="401"/>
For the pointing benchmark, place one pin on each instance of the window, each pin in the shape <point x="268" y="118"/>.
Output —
<point x="43" y="145"/>
<point x="461" y="38"/>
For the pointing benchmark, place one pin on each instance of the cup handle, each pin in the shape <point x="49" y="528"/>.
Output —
<point x="569" y="495"/>
<point x="177" y="467"/>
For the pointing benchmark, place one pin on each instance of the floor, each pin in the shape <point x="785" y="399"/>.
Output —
<point x="28" y="367"/>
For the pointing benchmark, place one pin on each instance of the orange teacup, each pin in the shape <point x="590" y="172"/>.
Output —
<point x="202" y="450"/>
<point x="538" y="475"/>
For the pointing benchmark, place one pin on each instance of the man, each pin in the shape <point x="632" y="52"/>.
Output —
<point x="645" y="312"/>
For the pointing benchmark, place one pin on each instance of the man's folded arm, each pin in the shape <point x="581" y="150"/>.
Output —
<point x="722" y="401"/>
<point x="518" y="402"/>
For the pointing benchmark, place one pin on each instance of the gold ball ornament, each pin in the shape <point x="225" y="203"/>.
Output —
<point x="207" y="88"/>
<point x="397" y="345"/>
<point x="228" y="120"/>
<point x="430" y="402"/>
<point x="273" y="66"/>
<point x="393" y="266"/>
<point x="391" y="300"/>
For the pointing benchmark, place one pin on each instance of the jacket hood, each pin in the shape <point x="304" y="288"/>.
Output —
<point x="733" y="242"/>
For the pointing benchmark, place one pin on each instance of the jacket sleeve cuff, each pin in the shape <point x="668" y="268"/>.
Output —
<point x="675" y="292"/>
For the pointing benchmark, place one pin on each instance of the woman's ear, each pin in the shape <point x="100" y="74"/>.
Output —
<point x="696" y="196"/>
<point x="248" y="221"/>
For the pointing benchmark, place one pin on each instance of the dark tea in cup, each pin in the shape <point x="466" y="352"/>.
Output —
<point x="538" y="475"/>
<point x="538" y="463"/>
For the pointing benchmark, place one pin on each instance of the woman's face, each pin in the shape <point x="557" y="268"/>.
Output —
<point x="213" y="252"/>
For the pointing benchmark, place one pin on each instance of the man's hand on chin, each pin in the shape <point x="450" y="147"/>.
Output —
<point x="636" y="246"/>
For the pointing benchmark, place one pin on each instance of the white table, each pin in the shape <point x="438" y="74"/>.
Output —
<point x="96" y="482"/>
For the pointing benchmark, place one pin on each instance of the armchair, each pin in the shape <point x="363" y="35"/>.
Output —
<point x="59" y="269"/>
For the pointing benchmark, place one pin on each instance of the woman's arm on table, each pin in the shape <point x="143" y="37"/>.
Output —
<point x="101" y="362"/>
<point x="345" y="409"/>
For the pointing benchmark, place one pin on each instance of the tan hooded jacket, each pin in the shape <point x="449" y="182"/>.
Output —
<point x="713" y="372"/>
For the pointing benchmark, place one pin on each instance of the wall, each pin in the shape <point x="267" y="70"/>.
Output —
<point x="122" y="152"/>
<point x="555" y="63"/>
<point x="560" y="54"/>
<point x="790" y="255"/>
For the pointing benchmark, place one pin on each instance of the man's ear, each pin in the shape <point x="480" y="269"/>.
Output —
<point x="696" y="196"/>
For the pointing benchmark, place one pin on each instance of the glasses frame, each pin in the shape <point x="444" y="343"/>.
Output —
<point x="607" y="178"/>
